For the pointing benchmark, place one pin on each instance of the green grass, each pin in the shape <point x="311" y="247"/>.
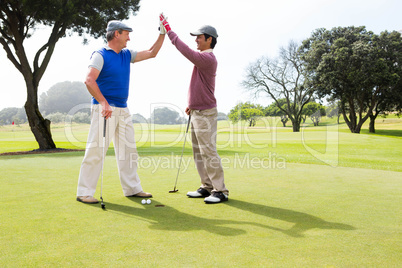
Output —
<point x="287" y="208"/>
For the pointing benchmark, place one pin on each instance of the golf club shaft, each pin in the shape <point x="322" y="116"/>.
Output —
<point x="182" y="151"/>
<point x="103" y="159"/>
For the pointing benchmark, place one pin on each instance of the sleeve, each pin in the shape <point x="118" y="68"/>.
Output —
<point x="96" y="61"/>
<point x="197" y="58"/>
<point x="133" y="55"/>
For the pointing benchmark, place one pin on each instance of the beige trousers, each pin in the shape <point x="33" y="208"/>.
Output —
<point x="207" y="160"/>
<point x="121" y="131"/>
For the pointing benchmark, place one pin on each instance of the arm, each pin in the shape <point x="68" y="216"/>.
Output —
<point x="198" y="59"/>
<point x="93" y="88"/>
<point x="201" y="60"/>
<point x="180" y="45"/>
<point x="152" y="52"/>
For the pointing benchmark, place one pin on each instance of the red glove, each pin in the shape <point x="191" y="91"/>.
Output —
<point x="164" y="22"/>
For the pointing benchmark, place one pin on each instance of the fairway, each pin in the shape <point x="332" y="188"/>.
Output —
<point x="308" y="199"/>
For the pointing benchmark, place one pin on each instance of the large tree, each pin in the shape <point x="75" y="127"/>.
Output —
<point x="165" y="116"/>
<point x="20" y="18"/>
<point x="64" y="96"/>
<point x="282" y="78"/>
<point x="354" y="66"/>
<point x="387" y="89"/>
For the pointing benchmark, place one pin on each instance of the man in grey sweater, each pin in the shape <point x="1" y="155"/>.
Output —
<point x="202" y="107"/>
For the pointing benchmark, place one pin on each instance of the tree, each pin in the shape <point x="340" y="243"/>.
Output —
<point x="333" y="110"/>
<point x="315" y="111"/>
<point x="222" y="116"/>
<point x="347" y="64"/>
<point x="165" y="116"/>
<point x="20" y="18"/>
<point x="56" y="117"/>
<point x="8" y="115"/>
<point x="281" y="78"/>
<point x="62" y="97"/>
<point x="388" y="79"/>
<point x="246" y="111"/>
<point x="273" y="110"/>
<point x="20" y="117"/>
<point x="138" y="118"/>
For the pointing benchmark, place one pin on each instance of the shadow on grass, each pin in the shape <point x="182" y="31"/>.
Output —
<point x="170" y="219"/>
<point x="302" y="221"/>
<point x="384" y="132"/>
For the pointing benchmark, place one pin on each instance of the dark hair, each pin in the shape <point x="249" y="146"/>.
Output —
<point x="214" y="41"/>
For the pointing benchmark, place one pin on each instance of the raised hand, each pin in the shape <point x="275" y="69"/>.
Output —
<point x="164" y="22"/>
<point x="162" y="29"/>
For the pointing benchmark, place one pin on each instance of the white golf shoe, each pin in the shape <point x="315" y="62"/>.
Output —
<point x="216" y="197"/>
<point x="199" y="193"/>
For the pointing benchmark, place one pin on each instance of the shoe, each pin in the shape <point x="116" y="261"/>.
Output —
<point x="141" y="194"/>
<point x="199" y="193"/>
<point x="87" y="199"/>
<point x="216" y="197"/>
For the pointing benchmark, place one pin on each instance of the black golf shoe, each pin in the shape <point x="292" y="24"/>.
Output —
<point x="199" y="193"/>
<point x="216" y="197"/>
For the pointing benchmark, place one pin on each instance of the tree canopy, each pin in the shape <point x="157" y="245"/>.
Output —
<point x="20" y="18"/>
<point x="315" y="111"/>
<point x="12" y="114"/>
<point x="165" y="116"/>
<point x="246" y="111"/>
<point x="356" y="67"/>
<point x="62" y="97"/>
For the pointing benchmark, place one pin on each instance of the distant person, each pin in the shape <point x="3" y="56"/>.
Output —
<point x="107" y="81"/>
<point x="203" y="109"/>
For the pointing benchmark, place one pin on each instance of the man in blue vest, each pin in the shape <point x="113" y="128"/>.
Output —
<point x="108" y="81"/>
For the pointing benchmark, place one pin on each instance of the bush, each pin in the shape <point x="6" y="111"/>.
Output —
<point x="56" y="117"/>
<point x="81" y="117"/>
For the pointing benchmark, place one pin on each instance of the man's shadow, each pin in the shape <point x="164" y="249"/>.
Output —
<point x="170" y="219"/>
<point x="302" y="221"/>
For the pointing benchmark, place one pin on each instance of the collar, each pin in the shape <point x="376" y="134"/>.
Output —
<point x="208" y="51"/>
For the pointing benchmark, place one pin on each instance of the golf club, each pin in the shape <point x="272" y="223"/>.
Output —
<point x="185" y="136"/>
<point x="103" y="160"/>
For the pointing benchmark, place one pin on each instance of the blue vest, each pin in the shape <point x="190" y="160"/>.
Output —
<point x="114" y="79"/>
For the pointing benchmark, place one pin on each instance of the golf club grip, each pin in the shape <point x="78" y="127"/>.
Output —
<point x="188" y="123"/>
<point x="104" y="127"/>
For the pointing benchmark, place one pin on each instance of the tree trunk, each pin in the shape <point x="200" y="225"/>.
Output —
<point x="40" y="127"/>
<point x="296" y="125"/>
<point x="284" y="120"/>
<point x="351" y="121"/>
<point x="372" y="122"/>
<point x="372" y="125"/>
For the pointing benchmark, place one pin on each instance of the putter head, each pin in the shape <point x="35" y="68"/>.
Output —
<point x="102" y="204"/>
<point x="173" y="191"/>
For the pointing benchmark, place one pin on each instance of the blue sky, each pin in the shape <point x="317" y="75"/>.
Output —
<point x="247" y="30"/>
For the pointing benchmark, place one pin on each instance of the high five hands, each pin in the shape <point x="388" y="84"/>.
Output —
<point x="164" y="25"/>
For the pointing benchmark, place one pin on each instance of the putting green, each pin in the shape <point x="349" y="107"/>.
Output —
<point x="286" y="206"/>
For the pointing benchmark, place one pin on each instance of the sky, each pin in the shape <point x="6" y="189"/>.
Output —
<point x="247" y="31"/>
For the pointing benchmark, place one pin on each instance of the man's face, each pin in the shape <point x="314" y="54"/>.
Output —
<point x="203" y="44"/>
<point x="123" y="38"/>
